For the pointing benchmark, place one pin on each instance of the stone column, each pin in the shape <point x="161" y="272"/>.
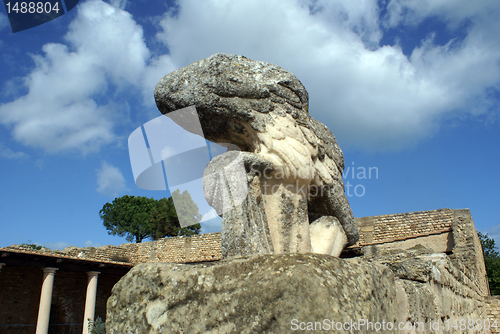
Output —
<point x="90" y="300"/>
<point x="42" y="323"/>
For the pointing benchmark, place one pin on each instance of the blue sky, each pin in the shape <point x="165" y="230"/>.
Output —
<point x="408" y="87"/>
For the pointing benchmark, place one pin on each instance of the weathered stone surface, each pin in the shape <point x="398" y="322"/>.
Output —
<point x="431" y="290"/>
<point x="259" y="294"/>
<point x="327" y="236"/>
<point x="417" y="289"/>
<point x="263" y="109"/>
<point x="245" y="226"/>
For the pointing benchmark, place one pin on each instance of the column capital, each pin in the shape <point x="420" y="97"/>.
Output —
<point x="49" y="270"/>
<point x="91" y="274"/>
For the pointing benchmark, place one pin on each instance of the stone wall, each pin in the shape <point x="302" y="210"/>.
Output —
<point x="380" y="230"/>
<point x="196" y="248"/>
<point x="103" y="253"/>
<point x="467" y="252"/>
<point x="430" y="288"/>
<point x="493" y="311"/>
<point x="446" y="282"/>
<point x="444" y="231"/>
<point x="417" y="290"/>
<point x="402" y="226"/>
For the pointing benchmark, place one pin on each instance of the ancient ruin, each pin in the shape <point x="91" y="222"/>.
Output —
<point x="293" y="163"/>
<point x="420" y="272"/>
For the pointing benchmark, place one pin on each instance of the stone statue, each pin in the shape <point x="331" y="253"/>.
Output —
<point x="293" y="165"/>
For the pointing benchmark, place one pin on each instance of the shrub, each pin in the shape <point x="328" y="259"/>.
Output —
<point x="97" y="326"/>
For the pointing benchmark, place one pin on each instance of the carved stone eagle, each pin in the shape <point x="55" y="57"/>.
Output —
<point x="263" y="109"/>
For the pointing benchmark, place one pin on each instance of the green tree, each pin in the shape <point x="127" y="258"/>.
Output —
<point x="166" y="220"/>
<point x="492" y="262"/>
<point x="128" y="216"/>
<point x="139" y="218"/>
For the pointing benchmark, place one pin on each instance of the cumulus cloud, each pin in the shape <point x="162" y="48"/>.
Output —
<point x="59" y="245"/>
<point x="89" y="243"/>
<point x="371" y="96"/>
<point x="157" y="68"/>
<point x="452" y="12"/>
<point x="7" y="153"/>
<point x="61" y="110"/>
<point x="119" y="3"/>
<point x="110" y="180"/>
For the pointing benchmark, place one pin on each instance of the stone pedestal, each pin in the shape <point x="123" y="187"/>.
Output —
<point x="271" y="293"/>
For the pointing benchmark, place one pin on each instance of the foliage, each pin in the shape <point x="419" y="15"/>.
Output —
<point x="139" y="218"/>
<point x="96" y="327"/>
<point x="32" y="245"/>
<point x="128" y="216"/>
<point x="492" y="262"/>
<point x="488" y="245"/>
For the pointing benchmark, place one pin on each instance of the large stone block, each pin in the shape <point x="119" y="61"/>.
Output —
<point x="259" y="294"/>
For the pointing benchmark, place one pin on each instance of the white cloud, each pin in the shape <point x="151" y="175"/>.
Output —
<point x="371" y="97"/>
<point x="6" y="152"/>
<point x="59" y="245"/>
<point x="119" y="3"/>
<point x="60" y="112"/>
<point x="89" y="243"/>
<point x="110" y="180"/>
<point x="157" y="68"/>
<point x="452" y="11"/>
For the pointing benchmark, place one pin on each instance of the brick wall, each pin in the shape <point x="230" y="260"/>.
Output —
<point x="206" y="247"/>
<point x="104" y="253"/>
<point x="20" y="296"/>
<point x="467" y="255"/>
<point x="387" y="228"/>
<point x="196" y="248"/>
<point x="455" y="227"/>
<point x="493" y="312"/>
